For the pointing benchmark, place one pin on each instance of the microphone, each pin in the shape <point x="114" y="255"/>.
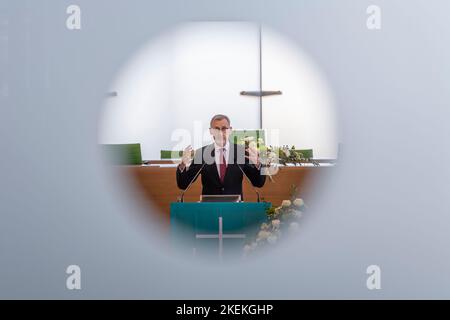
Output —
<point x="181" y="197"/>
<point x="248" y="179"/>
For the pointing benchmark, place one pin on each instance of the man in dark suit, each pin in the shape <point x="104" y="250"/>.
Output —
<point x="221" y="163"/>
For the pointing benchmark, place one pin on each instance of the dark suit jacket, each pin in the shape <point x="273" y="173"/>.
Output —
<point x="210" y="176"/>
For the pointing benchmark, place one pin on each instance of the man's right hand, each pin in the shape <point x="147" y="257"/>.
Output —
<point x="186" y="160"/>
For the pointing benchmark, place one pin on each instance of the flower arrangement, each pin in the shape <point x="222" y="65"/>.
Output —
<point x="290" y="155"/>
<point x="271" y="155"/>
<point x="280" y="220"/>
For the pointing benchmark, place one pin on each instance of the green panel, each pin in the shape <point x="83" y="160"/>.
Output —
<point x="239" y="136"/>
<point x="167" y="154"/>
<point x="123" y="154"/>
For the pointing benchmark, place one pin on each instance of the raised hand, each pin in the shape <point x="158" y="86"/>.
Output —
<point x="186" y="159"/>
<point x="253" y="155"/>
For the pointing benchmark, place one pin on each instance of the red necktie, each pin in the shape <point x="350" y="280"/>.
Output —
<point x="223" y="166"/>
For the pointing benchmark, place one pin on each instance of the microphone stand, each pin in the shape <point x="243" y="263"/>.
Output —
<point x="248" y="179"/>
<point x="181" y="198"/>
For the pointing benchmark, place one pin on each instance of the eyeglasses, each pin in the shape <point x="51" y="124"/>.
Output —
<point x="223" y="129"/>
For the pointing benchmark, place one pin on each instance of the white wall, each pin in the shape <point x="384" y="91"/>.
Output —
<point x="304" y="112"/>
<point x="168" y="92"/>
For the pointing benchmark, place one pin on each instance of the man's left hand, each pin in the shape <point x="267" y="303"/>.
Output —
<point x="253" y="156"/>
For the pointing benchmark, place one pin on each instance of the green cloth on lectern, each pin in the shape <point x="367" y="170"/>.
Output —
<point x="187" y="220"/>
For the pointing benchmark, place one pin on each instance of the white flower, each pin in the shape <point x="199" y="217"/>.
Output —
<point x="262" y="235"/>
<point x="276" y="223"/>
<point x="298" y="202"/>
<point x="247" y="248"/>
<point x="286" y="203"/>
<point x="293" y="227"/>
<point x="272" y="239"/>
<point x="277" y="210"/>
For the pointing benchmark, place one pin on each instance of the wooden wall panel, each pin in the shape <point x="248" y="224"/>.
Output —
<point x="157" y="185"/>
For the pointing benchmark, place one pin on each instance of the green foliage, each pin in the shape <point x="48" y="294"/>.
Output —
<point x="292" y="155"/>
